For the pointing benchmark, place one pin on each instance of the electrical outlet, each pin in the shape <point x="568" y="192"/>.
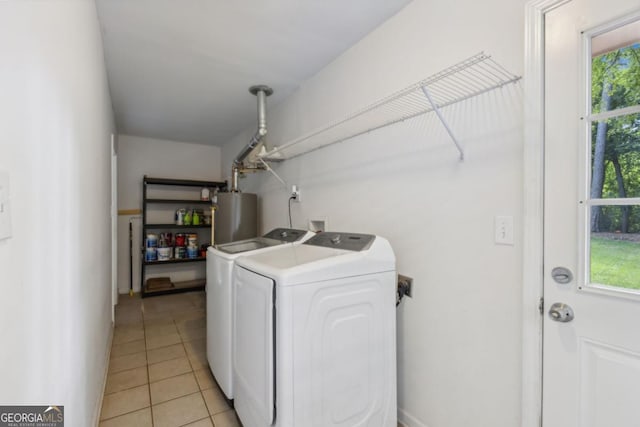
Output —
<point x="405" y="285"/>
<point x="295" y="193"/>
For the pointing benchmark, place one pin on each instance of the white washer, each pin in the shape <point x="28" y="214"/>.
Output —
<point x="315" y="334"/>
<point x="220" y="261"/>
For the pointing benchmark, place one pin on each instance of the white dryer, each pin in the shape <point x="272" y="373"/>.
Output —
<point x="315" y="334"/>
<point x="220" y="261"/>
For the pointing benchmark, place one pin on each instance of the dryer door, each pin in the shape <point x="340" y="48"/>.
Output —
<point x="253" y="348"/>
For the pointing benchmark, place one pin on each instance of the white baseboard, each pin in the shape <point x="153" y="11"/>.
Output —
<point x="98" y="406"/>
<point x="405" y="419"/>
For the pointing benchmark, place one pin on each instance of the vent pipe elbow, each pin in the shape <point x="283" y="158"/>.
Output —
<point x="261" y="92"/>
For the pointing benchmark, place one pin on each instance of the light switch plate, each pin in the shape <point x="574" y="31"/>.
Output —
<point x="504" y="230"/>
<point x="5" y="207"/>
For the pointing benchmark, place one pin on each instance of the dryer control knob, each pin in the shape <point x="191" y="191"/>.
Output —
<point x="335" y="240"/>
<point x="283" y="234"/>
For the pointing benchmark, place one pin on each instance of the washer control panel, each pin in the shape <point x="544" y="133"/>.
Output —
<point x="348" y="241"/>
<point x="285" y="234"/>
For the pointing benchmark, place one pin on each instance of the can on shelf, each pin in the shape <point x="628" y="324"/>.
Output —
<point x="166" y="240"/>
<point x="164" y="254"/>
<point x="152" y="240"/>
<point x="192" y="240"/>
<point x="181" y="239"/>
<point x="151" y="254"/>
<point x="180" y="252"/>
<point x="192" y="252"/>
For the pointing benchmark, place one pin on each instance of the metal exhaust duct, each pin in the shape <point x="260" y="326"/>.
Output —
<point x="261" y="92"/>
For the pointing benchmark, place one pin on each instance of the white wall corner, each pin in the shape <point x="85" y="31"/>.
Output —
<point x="98" y="406"/>
<point x="405" y="419"/>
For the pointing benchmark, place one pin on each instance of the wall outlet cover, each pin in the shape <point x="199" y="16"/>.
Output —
<point x="318" y="225"/>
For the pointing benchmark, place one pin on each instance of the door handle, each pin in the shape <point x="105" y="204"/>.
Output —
<point x="561" y="312"/>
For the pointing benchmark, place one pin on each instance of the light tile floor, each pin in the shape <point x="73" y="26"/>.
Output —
<point x="158" y="372"/>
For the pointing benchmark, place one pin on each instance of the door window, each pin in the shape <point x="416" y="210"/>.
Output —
<point x="611" y="204"/>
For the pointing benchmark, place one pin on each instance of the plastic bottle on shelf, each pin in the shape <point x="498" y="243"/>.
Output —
<point x="186" y="220"/>
<point x="204" y="194"/>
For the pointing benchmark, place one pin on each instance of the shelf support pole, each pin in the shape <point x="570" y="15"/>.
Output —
<point x="444" y="122"/>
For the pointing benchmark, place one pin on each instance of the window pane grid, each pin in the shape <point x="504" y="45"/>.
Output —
<point x="614" y="113"/>
<point x="613" y="202"/>
<point x="611" y="205"/>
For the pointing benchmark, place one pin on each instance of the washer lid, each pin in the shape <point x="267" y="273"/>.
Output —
<point x="337" y="240"/>
<point x="248" y="245"/>
<point x="287" y="234"/>
<point x="276" y="237"/>
<point x="292" y="265"/>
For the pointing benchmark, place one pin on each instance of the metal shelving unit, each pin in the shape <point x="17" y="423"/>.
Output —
<point x="469" y="78"/>
<point x="177" y="286"/>
<point x="173" y="226"/>
<point x="173" y="261"/>
<point x="173" y="201"/>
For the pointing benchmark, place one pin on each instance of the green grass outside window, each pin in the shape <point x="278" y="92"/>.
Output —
<point x="615" y="262"/>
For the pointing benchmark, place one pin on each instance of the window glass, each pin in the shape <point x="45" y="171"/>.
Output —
<point x="615" y="157"/>
<point x="615" y="255"/>
<point x="615" y="69"/>
<point x="614" y="230"/>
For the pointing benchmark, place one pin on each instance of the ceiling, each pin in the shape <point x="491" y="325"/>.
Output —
<point x="181" y="69"/>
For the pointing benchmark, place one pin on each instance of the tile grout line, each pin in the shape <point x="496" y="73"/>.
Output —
<point x="206" y="407"/>
<point x="128" y="388"/>
<point x="180" y="397"/>
<point x="144" y="333"/>
<point x="209" y="417"/>
<point x="125" y="413"/>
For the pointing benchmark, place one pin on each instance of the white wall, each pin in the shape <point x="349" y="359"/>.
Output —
<point x="55" y="272"/>
<point x="459" y="339"/>
<point x="160" y="159"/>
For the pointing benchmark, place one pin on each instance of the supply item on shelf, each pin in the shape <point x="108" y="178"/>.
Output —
<point x="158" y="283"/>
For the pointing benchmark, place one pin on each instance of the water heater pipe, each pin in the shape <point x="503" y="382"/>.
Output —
<point x="261" y="92"/>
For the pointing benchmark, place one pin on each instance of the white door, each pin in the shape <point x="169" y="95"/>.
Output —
<point x="591" y="364"/>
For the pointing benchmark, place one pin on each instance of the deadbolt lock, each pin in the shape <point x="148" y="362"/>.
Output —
<point x="562" y="275"/>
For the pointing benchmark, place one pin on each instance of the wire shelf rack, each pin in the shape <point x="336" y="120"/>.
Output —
<point x="466" y="79"/>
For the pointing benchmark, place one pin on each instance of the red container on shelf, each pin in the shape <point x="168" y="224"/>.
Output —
<point x="181" y="239"/>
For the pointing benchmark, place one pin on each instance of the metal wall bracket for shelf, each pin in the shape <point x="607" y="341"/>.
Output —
<point x="436" y="110"/>
<point x="266" y="165"/>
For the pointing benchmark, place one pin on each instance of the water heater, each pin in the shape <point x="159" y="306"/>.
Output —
<point x="236" y="217"/>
